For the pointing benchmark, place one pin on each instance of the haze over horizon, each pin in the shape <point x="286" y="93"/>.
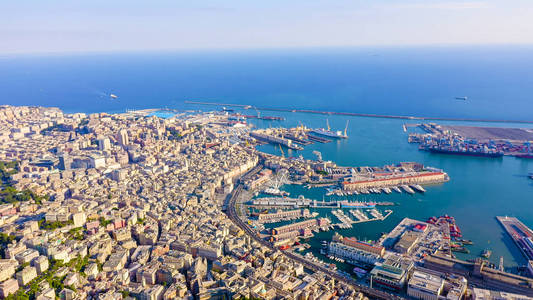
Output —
<point x="30" y="26"/>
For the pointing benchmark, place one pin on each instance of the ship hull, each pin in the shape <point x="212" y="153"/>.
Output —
<point x="442" y="151"/>
<point x="328" y="134"/>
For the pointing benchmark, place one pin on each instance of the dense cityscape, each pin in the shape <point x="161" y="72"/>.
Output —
<point x="132" y="205"/>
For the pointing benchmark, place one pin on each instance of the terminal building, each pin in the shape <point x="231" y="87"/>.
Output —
<point x="392" y="274"/>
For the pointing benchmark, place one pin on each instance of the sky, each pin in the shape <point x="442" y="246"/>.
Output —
<point x="47" y="26"/>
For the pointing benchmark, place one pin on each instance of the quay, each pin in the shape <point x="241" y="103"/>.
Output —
<point x="268" y="137"/>
<point x="521" y="235"/>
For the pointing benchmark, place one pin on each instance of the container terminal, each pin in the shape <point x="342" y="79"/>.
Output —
<point x="520" y="234"/>
<point x="473" y="141"/>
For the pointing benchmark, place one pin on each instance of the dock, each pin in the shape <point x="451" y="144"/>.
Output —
<point x="521" y="235"/>
<point x="347" y="222"/>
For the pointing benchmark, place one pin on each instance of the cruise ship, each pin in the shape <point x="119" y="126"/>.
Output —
<point x="329" y="133"/>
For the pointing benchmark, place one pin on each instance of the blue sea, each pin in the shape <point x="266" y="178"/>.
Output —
<point x="498" y="82"/>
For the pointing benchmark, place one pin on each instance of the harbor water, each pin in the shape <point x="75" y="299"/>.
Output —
<point x="479" y="189"/>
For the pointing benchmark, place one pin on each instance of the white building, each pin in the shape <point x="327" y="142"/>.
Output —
<point x="351" y="253"/>
<point x="425" y="286"/>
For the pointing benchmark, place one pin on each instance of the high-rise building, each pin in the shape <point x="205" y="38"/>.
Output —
<point x="104" y="144"/>
<point x="123" y="138"/>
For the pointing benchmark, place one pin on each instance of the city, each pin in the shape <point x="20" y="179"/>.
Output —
<point x="111" y="206"/>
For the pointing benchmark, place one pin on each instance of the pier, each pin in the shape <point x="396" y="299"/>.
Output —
<point x="347" y="222"/>
<point x="521" y="235"/>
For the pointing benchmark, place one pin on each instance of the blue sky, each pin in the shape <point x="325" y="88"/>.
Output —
<point x="33" y="26"/>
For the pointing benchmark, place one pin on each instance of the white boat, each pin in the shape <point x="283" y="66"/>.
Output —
<point x="387" y="190"/>
<point x="329" y="133"/>
<point x="408" y="189"/>
<point x="419" y="188"/>
<point x="397" y="189"/>
<point x="113" y="96"/>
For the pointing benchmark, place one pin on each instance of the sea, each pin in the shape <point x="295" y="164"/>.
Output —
<point x="411" y="81"/>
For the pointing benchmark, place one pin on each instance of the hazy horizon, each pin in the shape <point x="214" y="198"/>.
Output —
<point x="34" y="27"/>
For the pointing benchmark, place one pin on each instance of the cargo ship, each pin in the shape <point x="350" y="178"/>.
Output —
<point x="524" y="155"/>
<point x="346" y="204"/>
<point x="468" y="152"/>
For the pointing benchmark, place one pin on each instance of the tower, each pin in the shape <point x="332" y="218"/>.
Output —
<point x="123" y="138"/>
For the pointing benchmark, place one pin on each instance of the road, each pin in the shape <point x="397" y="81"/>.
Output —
<point x="232" y="214"/>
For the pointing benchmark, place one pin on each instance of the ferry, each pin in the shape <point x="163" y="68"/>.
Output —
<point x="113" y="96"/>
<point x="329" y="133"/>
<point x="332" y="134"/>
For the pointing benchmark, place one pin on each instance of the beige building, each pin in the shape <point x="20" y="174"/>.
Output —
<point x="8" y="287"/>
<point x="26" y="275"/>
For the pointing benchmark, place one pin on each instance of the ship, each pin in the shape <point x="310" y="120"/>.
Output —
<point x="486" y="253"/>
<point x="275" y="192"/>
<point x="468" y="152"/>
<point x="462" y="98"/>
<point x="524" y="155"/>
<point x="359" y="272"/>
<point x="346" y="204"/>
<point x="113" y="96"/>
<point x="329" y="133"/>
